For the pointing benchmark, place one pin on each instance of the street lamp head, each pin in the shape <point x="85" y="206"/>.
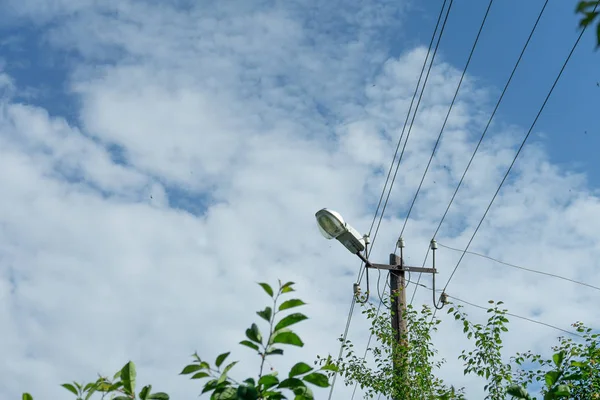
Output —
<point x="332" y="226"/>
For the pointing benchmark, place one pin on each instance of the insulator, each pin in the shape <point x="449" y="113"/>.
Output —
<point x="400" y="243"/>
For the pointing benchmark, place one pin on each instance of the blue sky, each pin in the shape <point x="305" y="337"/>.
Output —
<point x="37" y="66"/>
<point x="182" y="149"/>
<point x="498" y="50"/>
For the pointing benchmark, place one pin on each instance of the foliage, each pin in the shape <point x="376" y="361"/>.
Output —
<point x="121" y="387"/>
<point x="573" y="372"/>
<point x="220" y="385"/>
<point x="411" y="375"/>
<point x="485" y="360"/>
<point x="266" y="386"/>
<point x="404" y="363"/>
<point x="589" y="15"/>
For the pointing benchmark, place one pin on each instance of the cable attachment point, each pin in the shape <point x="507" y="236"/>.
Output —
<point x="400" y="243"/>
<point x="444" y="298"/>
<point x="433" y="244"/>
<point x="367" y="239"/>
<point x="356" y="289"/>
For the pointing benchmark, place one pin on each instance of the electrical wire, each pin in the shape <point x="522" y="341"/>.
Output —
<point x="523" y="268"/>
<point x="520" y="317"/>
<point x="363" y="267"/>
<point x="417" y="106"/>
<point x="510" y="314"/>
<point x="516" y="155"/>
<point x="344" y="336"/>
<point x="533" y="29"/>
<point x="408" y="114"/>
<point x="447" y="114"/>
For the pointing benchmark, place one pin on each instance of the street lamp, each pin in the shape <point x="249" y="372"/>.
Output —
<point x="332" y="226"/>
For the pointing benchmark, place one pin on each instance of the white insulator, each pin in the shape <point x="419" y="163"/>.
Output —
<point x="400" y="243"/>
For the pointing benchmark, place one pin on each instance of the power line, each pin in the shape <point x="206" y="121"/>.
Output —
<point x="523" y="268"/>
<point x="483" y="134"/>
<point x="448" y="114"/>
<point x="517" y="154"/>
<point x="362" y="268"/>
<point x="418" y="102"/>
<point x="408" y="115"/>
<point x="520" y="317"/>
<point x="511" y="314"/>
<point x="344" y="336"/>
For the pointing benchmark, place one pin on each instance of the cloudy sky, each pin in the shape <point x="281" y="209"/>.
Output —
<point x="159" y="158"/>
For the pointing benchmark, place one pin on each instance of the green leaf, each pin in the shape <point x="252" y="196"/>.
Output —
<point x="228" y="368"/>
<point x="267" y="288"/>
<point x="247" y="393"/>
<point x="589" y="17"/>
<point x="190" y="368"/>
<point x="158" y="396"/>
<point x="573" y="377"/>
<point x="248" y="343"/>
<point x="558" y="358"/>
<point x="210" y="385"/>
<point x="70" y="388"/>
<point x="317" y="379"/>
<point x="225" y="393"/>
<point x="105" y="386"/>
<point x="551" y="377"/>
<point x="290" y="320"/>
<point x="290" y="304"/>
<point x="122" y="398"/>
<point x="128" y="375"/>
<point x="290" y="383"/>
<point x="268" y="381"/>
<point x="26" y="396"/>
<point x="299" y="369"/>
<point x="253" y="333"/>
<point x="562" y="391"/>
<point x="330" y="367"/>
<point x="517" y="391"/>
<point x="273" y="351"/>
<point x="145" y="392"/>
<point x="287" y="287"/>
<point x="200" y="375"/>
<point x="287" y="338"/>
<point x="266" y="314"/>
<point x="584" y="5"/>
<point x="303" y="393"/>
<point x="91" y="391"/>
<point x="221" y="358"/>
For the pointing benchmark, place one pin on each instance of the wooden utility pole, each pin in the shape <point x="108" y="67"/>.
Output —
<point x="397" y="269"/>
<point x="398" y="297"/>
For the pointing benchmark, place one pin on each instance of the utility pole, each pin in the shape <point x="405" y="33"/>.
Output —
<point x="332" y="226"/>
<point x="398" y="297"/>
<point x="397" y="270"/>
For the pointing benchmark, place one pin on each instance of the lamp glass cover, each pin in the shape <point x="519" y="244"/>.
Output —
<point x="330" y="226"/>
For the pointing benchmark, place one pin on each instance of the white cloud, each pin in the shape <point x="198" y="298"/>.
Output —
<point x="264" y="117"/>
